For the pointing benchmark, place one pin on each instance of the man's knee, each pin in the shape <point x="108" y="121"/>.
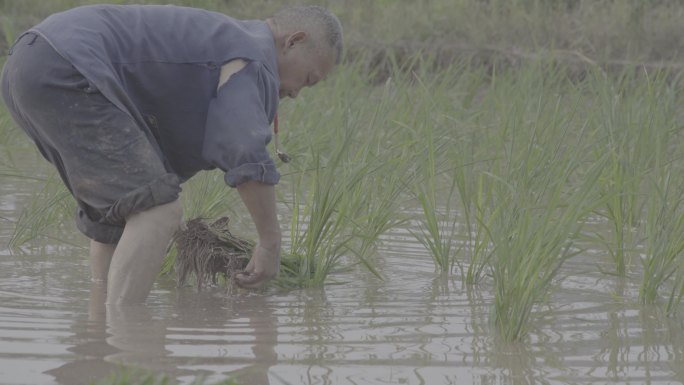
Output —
<point x="167" y="216"/>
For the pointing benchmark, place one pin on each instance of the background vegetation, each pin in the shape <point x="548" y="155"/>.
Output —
<point x="501" y="128"/>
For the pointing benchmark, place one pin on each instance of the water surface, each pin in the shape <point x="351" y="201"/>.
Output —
<point x="415" y="327"/>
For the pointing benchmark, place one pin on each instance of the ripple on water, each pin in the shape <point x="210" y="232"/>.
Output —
<point x="413" y="327"/>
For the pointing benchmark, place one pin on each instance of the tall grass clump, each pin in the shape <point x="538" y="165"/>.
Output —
<point x="207" y="196"/>
<point x="634" y="128"/>
<point x="476" y="202"/>
<point x="663" y="257"/>
<point x="438" y="227"/>
<point x="46" y="210"/>
<point x="349" y="171"/>
<point x="676" y="294"/>
<point x="539" y="188"/>
<point x="435" y="192"/>
<point x="378" y="208"/>
<point x="321" y="221"/>
<point x="423" y="111"/>
<point x="13" y="145"/>
<point x="533" y="229"/>
<point x="471" y="154"/>
<point x="381" y="145"/>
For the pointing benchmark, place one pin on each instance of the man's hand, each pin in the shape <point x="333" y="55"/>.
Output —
<point x="265" y="262"/>
<point x="264" y="266"/>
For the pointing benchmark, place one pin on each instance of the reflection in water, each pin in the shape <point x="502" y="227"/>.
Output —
<point x="137" y="336"/>
<point x="413" y="327"/>
<point x="91" y="346"/>
<point x="131" y="336"/>
<point x="675" y="335"/>
<point x="238" y="331"/>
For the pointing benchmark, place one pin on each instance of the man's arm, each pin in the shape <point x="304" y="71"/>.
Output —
<point x="259" y="198"/>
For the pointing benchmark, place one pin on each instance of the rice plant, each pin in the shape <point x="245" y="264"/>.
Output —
<point x="47" y="209"/>
<point x="664" y="246"/>
<point x="634" y="118"/>
<point x="470" y="184"/>
<point x="346" y="179"/>
<point x="320" y="223"/>
<point x="384" y="159"/>
<point x="439" y="221"/>
<point x="674" y="299"/>
<point x="207" y="196"/>
<point x="533" y="232"/>
<point x="378" y="211"/>
<point x="479" y="250"/>
<point x="541" y="192"/>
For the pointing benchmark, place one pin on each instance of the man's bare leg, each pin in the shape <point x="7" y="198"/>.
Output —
<point x="100" y="258"/>
<point x="140" y="253"/>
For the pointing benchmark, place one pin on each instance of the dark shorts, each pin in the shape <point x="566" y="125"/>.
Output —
<point x="103" y="155"/>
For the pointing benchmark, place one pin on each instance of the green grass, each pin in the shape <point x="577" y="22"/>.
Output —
<point x="634" y="117"/>
<point x="48" y="208"/>
<point x="439" y="222"/>
<point x="663" y="257"/>
<point x="537" y="191"/>
<point x="579" y="32"/>
<point x="323" y="224"/>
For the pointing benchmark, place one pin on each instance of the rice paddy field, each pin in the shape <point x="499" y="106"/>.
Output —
<point x="484" y="192"/>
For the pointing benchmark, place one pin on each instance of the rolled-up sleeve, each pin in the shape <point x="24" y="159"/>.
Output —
<point x="238" y="129"/>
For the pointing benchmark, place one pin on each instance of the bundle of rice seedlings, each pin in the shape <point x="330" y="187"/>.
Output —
<point x="209" y="251"/>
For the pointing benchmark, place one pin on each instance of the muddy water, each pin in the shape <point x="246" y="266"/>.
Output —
<point x="415" y="327"/>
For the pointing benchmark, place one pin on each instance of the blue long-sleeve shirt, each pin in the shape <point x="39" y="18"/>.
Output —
<point x="161" y="64"/>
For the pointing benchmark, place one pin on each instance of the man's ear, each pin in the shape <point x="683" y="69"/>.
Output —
<point x="295" y="39"/>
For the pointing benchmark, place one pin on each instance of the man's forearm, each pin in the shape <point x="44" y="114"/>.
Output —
<point x="259" y="198"/>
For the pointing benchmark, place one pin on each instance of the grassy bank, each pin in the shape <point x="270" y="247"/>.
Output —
<point x="581" y="33"/>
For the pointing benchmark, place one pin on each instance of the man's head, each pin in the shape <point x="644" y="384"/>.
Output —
<point x="309" y="43"/>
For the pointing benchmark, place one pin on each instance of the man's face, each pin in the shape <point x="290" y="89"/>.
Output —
<point x="299" y="66"/>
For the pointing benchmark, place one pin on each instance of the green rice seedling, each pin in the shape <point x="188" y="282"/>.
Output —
<point x="479" y="251"/>
<point x="318" y="230"/>
<point x="11" y="142"/>
<point x="634" y="118"/>
<point x="347" y="178"/>
<point x="676" y="294"/>
<point x="8" y="30"/>
<point x="411" y="154"/>
<point x="377" y="210"/>
<point x="47" y="209"/>
<point x="207" y="196"/>
<point x="619" y="210"/>
<point x="322" y="219"/>
<point x="664" y="246"/>
<point x="541" y="192"/>
<point x="421" y="101"/>
<point x="439" y="222"/>
<point x="531" y="239"/>
<point x="474" y="201"/>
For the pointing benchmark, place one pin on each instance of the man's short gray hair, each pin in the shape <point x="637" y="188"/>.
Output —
<point x="313" y="19"/>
